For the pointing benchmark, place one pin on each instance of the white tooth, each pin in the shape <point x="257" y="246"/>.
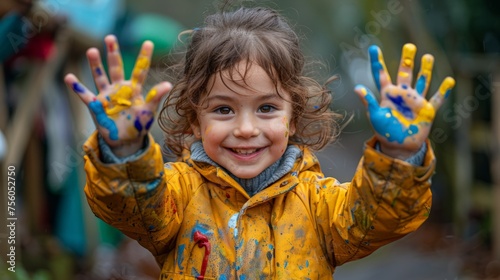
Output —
<point x="245" y="152"/>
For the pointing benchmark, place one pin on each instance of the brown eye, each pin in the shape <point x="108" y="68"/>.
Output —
<point x="266" y="109"/>
<point x="223" y="110"/>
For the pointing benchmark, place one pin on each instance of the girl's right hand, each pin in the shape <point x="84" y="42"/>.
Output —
<point x="121" y="114"/>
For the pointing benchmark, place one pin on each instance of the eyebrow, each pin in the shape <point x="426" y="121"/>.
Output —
<point x="265" y="97"/>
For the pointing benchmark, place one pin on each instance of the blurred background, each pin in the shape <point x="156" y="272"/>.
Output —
<point x="43" y="125"/>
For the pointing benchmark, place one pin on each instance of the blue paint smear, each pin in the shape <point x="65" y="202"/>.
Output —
<point x="180" y="256"/>
<point x="285" y="264"/>
<point x="138" y="124"/>
<point x="103" y="119"/>
<point x="447" y="93"/>
<point x="149" y="123"/>
<point x="401" y="105"/>
<point x="376" y="65"/>
<point x="243" y="277"/>
<point x="98" y="71"/>
<point x="223" y="277"/>
<point x="78" y="88"/>
<point x="194" y="272"/>
<point x="201" y="228"/>
<point x="153" y="184"/>
<point x="420" y="86"/>
<point x="384" y="125"/>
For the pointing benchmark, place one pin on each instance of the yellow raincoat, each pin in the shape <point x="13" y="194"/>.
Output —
<point x="200" y="224"/>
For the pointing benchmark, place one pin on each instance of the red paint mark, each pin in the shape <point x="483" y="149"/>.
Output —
<point x="227" y="195"/>
<point x="174" y="208"/>
<point x="202" y="241"/>
<point x="111" y="47"/>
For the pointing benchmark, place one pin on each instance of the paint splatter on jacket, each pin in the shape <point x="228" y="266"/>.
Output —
<point x="200" y="224"/>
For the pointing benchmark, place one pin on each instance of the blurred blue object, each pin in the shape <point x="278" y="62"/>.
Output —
<point x="3" y="146"/>
<point x="160" y="29"/>
<point x="11" y="35"/>
<point x="95" y="18"/>
<point x="133" y="29"/>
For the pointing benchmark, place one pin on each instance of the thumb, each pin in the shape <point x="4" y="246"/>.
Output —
<point x="366" y="97"/>
<point x="155" y="95"/>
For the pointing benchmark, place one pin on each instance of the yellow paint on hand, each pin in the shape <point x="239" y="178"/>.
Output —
<point x="120" y="100"/>
<point x="141" y="65"/>
<point x="409" y="51"/>
<point x="364" y="92"/>
<point x="382" y="62"/>
<point x="426" y="68"/>
<point x="151" y="95"/>
<point x="403" y="74"/>
<point x="447" y="84"/>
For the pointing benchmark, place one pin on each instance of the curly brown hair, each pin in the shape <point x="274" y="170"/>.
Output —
<point x="262" y="36"/>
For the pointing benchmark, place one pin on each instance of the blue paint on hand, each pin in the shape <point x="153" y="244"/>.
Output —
<point x="390" y="127"/>
<point x="103" y="119"/>
<point x="420" y="85"/>
<point x="401" y="105"/>
<point x="98" y="71"/>
<point x="149" y="123"/>
<point x="138" y="124"/>
<point x="78" y="88"/>
<point x="447" y="93"/>
<point x="375" y="64"/>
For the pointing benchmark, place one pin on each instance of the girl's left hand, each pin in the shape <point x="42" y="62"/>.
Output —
<point x="403" y="119"/>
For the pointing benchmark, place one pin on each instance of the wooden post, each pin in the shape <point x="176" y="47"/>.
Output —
<point x="463" y="176"/>
<point x="495" y="161"/>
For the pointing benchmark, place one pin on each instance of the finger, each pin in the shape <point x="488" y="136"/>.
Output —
<point x="83" y="93"/>
<point x="115" y="62"/>
<point x="405" y="72"/>
<point x="444" y="91"/>
<point x="155" y="95"/>
<point x="379" y="70"/>
<point x="367" y="97"/>
<point x="142" y="64"/>
<point x="100" y="77"/>
<point x="425" y="74"/>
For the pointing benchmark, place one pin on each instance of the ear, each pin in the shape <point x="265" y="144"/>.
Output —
<point x="292" y="130"/>
<point x="196" y="129"/>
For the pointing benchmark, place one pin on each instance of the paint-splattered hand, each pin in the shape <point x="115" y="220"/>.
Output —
<point x="121" y="114"/>
<point x="403" y="119"/>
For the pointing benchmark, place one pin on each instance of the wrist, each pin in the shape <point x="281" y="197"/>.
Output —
<point x="397" y="152"/>
<point x="127" y="149"/>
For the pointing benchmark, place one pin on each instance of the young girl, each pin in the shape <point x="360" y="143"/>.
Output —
<point x="247" y="199"/>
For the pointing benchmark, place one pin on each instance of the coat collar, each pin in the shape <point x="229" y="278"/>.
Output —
<point x="217" y="175"/>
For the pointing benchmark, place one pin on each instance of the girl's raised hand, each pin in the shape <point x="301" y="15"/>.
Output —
<point x="121" y="114"/>
<point x="403" y="119"/>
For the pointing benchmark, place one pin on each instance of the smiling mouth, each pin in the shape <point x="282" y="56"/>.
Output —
<point x="245" y="152"/>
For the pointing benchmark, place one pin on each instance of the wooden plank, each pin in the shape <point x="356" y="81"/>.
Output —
<point x="495" y="162"/>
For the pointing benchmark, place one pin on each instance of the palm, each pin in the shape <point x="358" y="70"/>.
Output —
<point x="121" y="114"/>
<point x="403" y="119"/>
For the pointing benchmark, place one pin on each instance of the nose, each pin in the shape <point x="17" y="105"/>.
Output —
<point x="246" y="126"/>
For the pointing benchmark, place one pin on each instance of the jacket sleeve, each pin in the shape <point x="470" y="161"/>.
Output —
<point x="142" y="198"/>
<point x="387" y="199"/>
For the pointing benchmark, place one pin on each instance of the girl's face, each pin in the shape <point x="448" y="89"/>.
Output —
<point x="244" y="124"/>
